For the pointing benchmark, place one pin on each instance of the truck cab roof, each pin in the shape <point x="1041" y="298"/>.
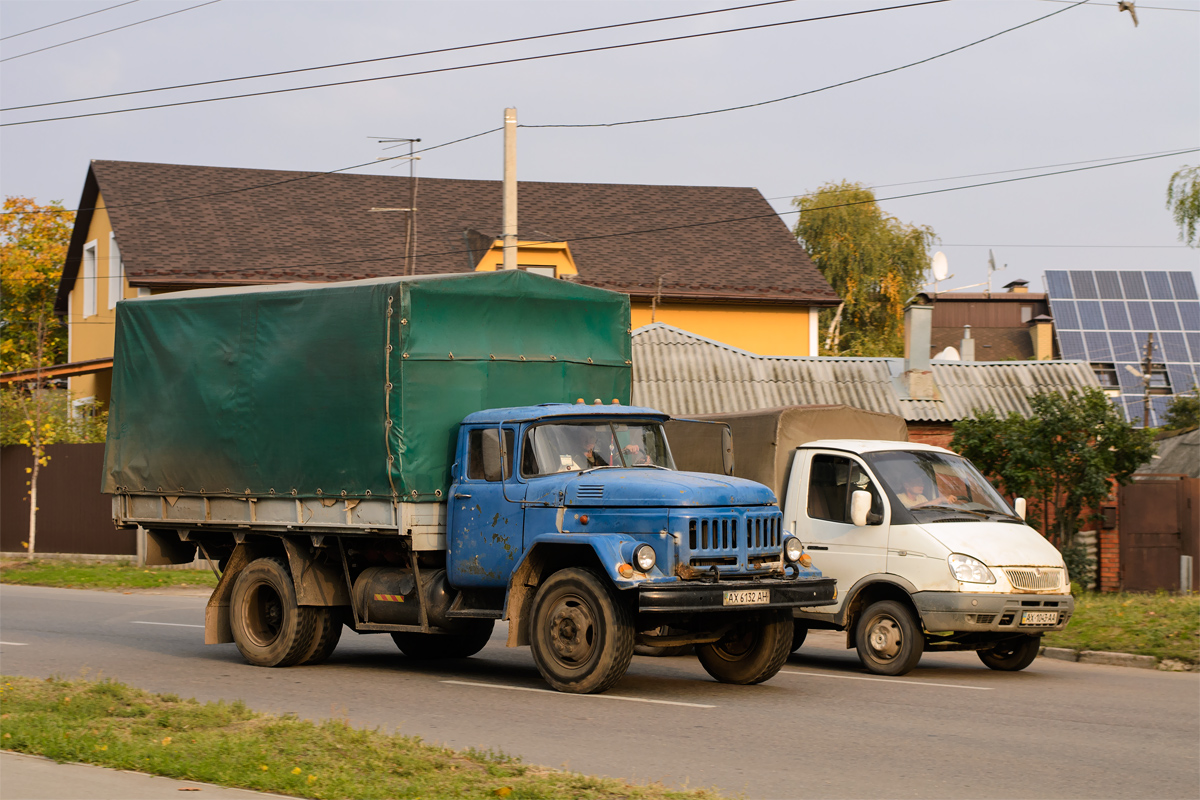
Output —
<point x="495" y="416"/>
<point x="871" y="445"/>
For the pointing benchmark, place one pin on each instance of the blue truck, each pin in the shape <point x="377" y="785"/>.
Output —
<point x="335" y="452"/>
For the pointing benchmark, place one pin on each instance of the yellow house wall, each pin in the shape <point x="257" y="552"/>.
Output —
<point x="765" y="330"/>
<point x="93" y="336"/>
<point x="532" y="254"/>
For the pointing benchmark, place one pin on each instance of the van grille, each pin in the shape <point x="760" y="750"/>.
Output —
<point x="1030" y="579"/>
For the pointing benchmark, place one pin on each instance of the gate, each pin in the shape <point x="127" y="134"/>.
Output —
<point x="1158" y="525"/>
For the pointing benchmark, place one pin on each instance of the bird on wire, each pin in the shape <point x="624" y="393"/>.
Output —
<point x="1127" y="5"/>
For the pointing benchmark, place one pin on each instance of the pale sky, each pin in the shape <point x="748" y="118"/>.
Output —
<point x="1085" y="85"/>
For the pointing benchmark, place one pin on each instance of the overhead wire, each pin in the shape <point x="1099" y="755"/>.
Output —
<point x="68" y="19"/>
<point x="497" y="62"/>
<point x="111" y="30"/>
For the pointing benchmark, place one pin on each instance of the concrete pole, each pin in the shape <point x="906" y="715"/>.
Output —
<point x="510" y="189"/>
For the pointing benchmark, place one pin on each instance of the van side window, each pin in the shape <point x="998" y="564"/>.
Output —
<point x="483" y="454"/>
<point x="832" y="481"/>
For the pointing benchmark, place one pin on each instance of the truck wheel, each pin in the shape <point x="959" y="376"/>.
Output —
<point x="327" y="630"/>
<point x="269" y="628"/>
<point x="428" y="646"/>
<point x="582" y="635"/>
<point x="888" y="639"/>
<point x="799" y="633"/>
<point x="1013" y="655"/>
<point x="753" y="651"/>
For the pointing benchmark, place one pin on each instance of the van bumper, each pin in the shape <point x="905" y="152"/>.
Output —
<point x="1025" y="613"/>
<point x="692" y="596"/>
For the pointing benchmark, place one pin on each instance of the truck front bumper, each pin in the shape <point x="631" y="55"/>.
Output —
<point x="693" y="596"/>
<point x="1025" y="613"/>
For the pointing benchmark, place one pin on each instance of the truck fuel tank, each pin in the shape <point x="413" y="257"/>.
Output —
<point x="388" y="596"/>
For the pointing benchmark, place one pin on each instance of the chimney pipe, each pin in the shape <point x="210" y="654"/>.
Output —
<point x="967" y="350"/>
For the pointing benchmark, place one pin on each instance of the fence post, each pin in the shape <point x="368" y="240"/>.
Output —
<point x="1185" y="574"/>
<point x="141" y="546"/>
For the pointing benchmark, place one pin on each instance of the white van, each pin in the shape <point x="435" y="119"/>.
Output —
<point x="927" y="555"/>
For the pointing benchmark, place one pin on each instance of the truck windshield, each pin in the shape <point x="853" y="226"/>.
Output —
<point x="939" y="487"/>
<point x="576" y="446"/>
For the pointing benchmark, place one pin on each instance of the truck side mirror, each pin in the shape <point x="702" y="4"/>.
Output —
<point x="1019" y="507"/>
<point x="860" y="506"/>
<point x="492" y="462"/>
<point x="727" y="449"/>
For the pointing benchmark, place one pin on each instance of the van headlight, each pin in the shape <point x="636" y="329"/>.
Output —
<point x="970" y="570"/>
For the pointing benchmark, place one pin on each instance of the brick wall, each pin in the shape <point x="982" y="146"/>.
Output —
<point x="938" y="434"/>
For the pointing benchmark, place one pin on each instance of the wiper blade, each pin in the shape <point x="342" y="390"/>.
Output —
<point x="951" y="510"/>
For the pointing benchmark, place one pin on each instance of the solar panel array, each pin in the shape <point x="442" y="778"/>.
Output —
<point x="1106" y="317"/>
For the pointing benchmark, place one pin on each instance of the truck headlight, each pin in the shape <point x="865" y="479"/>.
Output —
<point x="792" y="549"/>
<point x="970" y="570"/>
<point x="644" y="558"/>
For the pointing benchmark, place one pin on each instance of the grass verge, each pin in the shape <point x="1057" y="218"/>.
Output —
<point x="113" y="725"/>
<point x="1162" y="625"/>
<point x="81" y="575"/>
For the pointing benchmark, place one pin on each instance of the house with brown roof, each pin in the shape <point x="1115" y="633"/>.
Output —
<point x="717" y="261"/>
<point x="1013" y="325"/>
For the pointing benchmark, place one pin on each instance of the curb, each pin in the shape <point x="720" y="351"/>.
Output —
<point x="1117" y="659"/>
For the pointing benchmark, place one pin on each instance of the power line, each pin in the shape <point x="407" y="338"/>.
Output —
<point x="811" y="91"/>
<point x="498" y="62"/>
<point x="1140" y="8"/>
<point x="69" y="19"/>
<point x="110" y="30"/>
<point x="404" y="55"/>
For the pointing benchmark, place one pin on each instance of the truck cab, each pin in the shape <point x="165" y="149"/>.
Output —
<point x="927" y="555"/>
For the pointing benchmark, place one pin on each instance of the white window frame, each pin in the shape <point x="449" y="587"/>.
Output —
<point x="116" y="272"/>
<point x="88" y="275"/>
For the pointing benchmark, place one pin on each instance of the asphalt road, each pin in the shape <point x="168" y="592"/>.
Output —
<point x="821" y="728"/>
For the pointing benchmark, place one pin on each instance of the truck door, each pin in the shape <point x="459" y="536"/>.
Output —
<point x="839" y="549"/>
<point x="485" y="513"/>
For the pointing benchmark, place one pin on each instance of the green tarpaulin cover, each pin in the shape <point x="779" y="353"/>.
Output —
<point x="346" y="389"/>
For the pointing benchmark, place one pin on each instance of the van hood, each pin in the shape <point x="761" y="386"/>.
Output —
<point x="997" y="544"/>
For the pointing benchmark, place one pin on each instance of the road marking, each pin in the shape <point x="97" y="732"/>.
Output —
<point x="567" y="694"/>
<point x="886" y="680"/>
<point x="16" y="644"/>
<point x="172" y="624"/>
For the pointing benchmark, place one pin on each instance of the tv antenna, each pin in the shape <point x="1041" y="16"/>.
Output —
<point x="410" y="224"/>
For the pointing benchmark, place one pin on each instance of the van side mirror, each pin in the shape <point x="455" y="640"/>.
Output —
<point x="727" y="449"/>
<point x="860" y="506"/>
<point x="1019" y="507"/>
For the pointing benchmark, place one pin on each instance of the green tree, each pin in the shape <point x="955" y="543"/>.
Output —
<point x="1183" y="198"/>
<point x="33" y="246"/>
<point x="1184" y="412"/>
<point x="873" y="261"/>
<point x="1063" y="459"/>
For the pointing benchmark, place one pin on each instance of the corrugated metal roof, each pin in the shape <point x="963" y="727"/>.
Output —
<point x="683" y="373"/>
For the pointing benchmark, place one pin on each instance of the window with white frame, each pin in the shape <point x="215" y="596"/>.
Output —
<point x="116" y="272"/>
<point x="89" y="279"/>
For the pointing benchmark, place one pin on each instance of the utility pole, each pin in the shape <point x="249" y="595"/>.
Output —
<point x="1147" y="364"/>
<point x="509" y="210"/>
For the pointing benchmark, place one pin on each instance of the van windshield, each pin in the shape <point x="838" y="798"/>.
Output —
<point x="578" y="446"/>
<point x="939" y="487"/>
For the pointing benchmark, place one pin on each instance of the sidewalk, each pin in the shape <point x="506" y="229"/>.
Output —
<point x="25" y="777"/>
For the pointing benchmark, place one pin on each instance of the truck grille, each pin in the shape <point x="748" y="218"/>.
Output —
<point x="1030" y="579"/>
<point x="732" y="538"/>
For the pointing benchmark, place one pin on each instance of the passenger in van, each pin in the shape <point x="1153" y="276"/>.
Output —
<point x="914" y="491"/>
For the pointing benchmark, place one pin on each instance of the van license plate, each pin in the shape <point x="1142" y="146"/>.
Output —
<point x="748" y="597"/>
<point x="1039" y="618"/>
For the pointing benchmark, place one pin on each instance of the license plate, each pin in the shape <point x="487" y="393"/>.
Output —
<point x="1039" y="618"/>
<point x="748" y="597"/>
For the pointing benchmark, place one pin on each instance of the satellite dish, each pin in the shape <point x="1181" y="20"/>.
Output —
<point x="940" y="266"/>
<point x="949" y="354"/>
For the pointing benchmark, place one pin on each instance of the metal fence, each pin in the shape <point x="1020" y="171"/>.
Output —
<point x="73" y="516"/>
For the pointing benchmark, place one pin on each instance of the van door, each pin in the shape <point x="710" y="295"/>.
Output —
<point x="486" y="514"/>
<point x="838" y="548"/>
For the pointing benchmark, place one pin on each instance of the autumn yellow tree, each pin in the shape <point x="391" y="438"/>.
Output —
<point x="874" y="262"/>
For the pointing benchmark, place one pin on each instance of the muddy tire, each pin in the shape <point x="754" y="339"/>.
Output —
<point x="799" y="633"/>
<point x="581" y="633"/>
<point x="889" y="639"/>
<point x="269" y="628"/>
<point x="431" y="646"/>
<point x="753" y="651"/>
<point x="327" y="631"/>
<point x="1013" y="655"/>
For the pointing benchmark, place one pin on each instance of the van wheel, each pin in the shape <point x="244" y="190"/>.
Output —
<point x="1012" y="655"/>
<point x="269" y="628"/>
<point x="799" y="633"/>
<point x="326" y="633"/>
<point x="446" y="645"/>
<point x="753" y="651"/>
<point x="582" y="634"/>
<point x="888" y="639"/>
